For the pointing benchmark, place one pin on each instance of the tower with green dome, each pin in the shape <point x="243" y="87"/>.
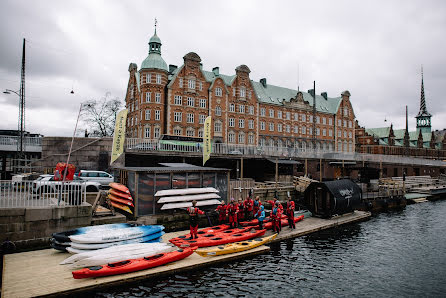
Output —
<point x="154" y="59"/>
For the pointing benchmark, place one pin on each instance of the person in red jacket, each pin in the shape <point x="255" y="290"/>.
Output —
<point x="241" y="211"/>
<point x="221" y="209"/>
<point x="232" y="211"/>
<point x="248" y="204"/>
<point x="193" y="219"/>
<point x="256" y="205"/>
<point x="276" y="217"/>
<point x="290" y="207"/>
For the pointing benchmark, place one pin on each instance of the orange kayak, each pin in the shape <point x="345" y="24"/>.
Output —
<point x="120" y="194"/>
<point x="120" y="187"/>
<point x="121" y="206"/>
<point x="120" y="200"/>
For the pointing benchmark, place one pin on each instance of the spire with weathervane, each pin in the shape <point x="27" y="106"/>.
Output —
<point x="423" y="117"/>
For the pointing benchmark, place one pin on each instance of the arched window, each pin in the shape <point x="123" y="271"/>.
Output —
<point x="190" y="132"/>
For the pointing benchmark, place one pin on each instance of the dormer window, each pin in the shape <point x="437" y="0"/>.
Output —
<point x="191" y="84"/>
<point x="242" y="92"/>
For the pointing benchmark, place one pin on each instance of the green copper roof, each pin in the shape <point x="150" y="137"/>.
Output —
<point x="278" y="95"/>
<point x="210" y="77"/>
<point x="154" y="61"/>
<point x="379" y="132"/>
<point x="155" y="38"/>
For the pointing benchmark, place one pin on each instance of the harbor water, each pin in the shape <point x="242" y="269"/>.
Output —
<point x="395" y="254"/>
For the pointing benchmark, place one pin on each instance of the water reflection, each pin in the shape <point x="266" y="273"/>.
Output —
<point x="393" y="254"/>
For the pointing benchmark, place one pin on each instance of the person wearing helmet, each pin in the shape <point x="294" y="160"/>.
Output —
<point x="260" y="215"/>
<point x="231" y="212"/>
<point x="256" y="205"/>
<point x="221" y="209"/>
<point x="290" y="207"/>
<point x="193" y="212"/>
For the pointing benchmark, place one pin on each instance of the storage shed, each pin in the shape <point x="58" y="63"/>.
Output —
<point x="144" y="182"/>
<point x="329" y="198"/>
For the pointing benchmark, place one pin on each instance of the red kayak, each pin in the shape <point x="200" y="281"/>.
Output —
<point x="133" y="265"/>
<point x="221" y="238"/>
<point x="120" y="200"/>
<point x="255" y="221"/>
<point x="269" y="225"/>
<point x="203" y="232"/>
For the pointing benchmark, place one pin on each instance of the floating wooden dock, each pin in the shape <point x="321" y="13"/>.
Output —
<point x="38" y="273"/>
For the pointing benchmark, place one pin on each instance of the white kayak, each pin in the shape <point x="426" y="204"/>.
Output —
<point x="185" y="191"/>
<point x="121" y="256"/>
<point x="116" y="235"/>
<point x="189" y="204"/>
<point x="114" y="249"/>
<point x="92" y="246"/>
<point x="187" y="198"/>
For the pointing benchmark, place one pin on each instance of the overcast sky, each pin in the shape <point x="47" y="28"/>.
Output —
<point x="374" y="49"/>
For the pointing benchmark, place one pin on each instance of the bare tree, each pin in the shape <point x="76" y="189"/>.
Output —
<point x="100" y="115"/>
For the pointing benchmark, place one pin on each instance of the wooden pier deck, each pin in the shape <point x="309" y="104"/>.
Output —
<point x="38" y="273"/>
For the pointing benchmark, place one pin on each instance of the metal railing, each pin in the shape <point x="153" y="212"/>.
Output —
<point x="10" y="143"/>
<point x="34" y="194"/>
<point x="146" y="145"/>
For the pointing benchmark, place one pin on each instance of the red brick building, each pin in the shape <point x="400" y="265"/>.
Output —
<point x="175" y="100"/>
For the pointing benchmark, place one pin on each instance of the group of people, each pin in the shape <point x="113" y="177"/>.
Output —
<point x="236" y="212"/>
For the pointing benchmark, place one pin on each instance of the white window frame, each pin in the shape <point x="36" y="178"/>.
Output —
<point x="190" y="101"/>
<point x="262" y="125"/>
<point x="148" y="96"/>
<point x="178" y="100"/>
<point x="177" y="116"/>
<point x="218" y="91"/>
<point x="158" y="97"/>
<point x="241" y="123"/>
<point x="218" y="111"/>
<point x="262" y="112"/>
<point x="231" y="122"/>
<point x="190" y="118"/>
<point x="156" y="132"/>
<point x="251" y="124"/>
<point x="158" y="78"/>
<point x="191" y="84"/>
<point x="147" y="114"/>
<point x="203" y="103"/>
<point x="157" y="115"/>
<point x="231" y="107"/>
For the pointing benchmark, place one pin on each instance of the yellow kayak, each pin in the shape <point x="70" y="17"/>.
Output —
<point x="234" y="247"/>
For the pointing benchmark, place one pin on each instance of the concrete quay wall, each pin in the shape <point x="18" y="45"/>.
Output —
<point x="32" y="227"/>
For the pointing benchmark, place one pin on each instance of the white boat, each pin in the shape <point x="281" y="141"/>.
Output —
<point x="185" y="191"/>
<point x="114" y="249"/>
<point x="120" y="256"/>
<point x="92" y="246"/>
<point x="189" y="204"/>
<point x="187" y="198"/>
<point x="116" y="235"/>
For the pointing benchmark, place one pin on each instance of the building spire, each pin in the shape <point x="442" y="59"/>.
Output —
<point x="422" y="99"/>
<point x="406" y="132"/>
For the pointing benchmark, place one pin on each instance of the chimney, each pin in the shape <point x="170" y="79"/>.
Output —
<point x="324" y="95"/>
<point x="216" y="71"/>
<point x="311" y="92"/>
<point x="172" y="68"/>
<point x="263" y="82"/>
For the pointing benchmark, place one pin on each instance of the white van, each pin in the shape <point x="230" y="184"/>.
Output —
<point x="103" y="178"/>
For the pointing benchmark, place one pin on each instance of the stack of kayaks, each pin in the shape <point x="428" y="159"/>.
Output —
<point x="234" y="247"/>
<point x="107" y="236"/>
<point x="61" y="240"/>
<point x="220" y="238"/>
<point x="120" y="197"/>
<point x="117" y="253"/>
<point x="182" y="198"/>
<point x="133" y="265"/>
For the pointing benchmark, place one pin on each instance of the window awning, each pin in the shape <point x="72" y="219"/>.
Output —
<point x="285" y="161"/>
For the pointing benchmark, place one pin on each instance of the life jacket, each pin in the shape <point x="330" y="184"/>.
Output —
<point x="232" y="209"/>
<point x="256" y="203"/>
<point x="193" y="211"/>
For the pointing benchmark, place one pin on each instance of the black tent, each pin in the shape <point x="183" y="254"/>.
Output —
<point x="328" y="198"/>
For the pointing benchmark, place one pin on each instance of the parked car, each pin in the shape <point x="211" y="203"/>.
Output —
<point x="46" y="183"/>
<point x="101" y="177"/>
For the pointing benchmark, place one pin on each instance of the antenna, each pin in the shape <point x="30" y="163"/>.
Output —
<point x="298" y="77"/>
<point x="156" y="22"/>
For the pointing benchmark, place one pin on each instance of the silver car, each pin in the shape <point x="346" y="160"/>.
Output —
<point x="101" y="177"/>
<point x="46" y="183"/>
